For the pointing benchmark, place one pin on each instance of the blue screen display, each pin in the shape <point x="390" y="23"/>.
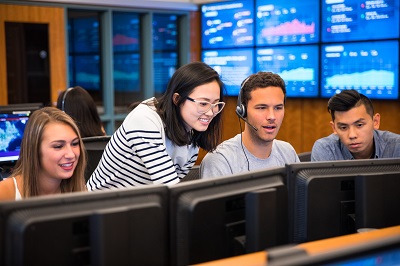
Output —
<point x="165" y="65"/>
<point x="126" y="72"/>
<point x="225" y="25"/>
<point x="126" y="30"/>
<point x="12" y="128"/>
<point x="372" y="68"/>
<point x="233" y="65"/>
<point x="165" y="32"/>
<point x="287" y="22"/>
<point x="352" y="20"/>
<point x="86" y="35"/>
<point x="87" y="71"/>
<point x="297" y="66"/>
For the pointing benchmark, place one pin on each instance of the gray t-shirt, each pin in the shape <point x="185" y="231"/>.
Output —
<point x="330" y="148"/>
<point x="229" y="158"/>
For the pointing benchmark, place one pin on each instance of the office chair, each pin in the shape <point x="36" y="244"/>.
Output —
<point x="94" y="147"/>
<point x="305" y="156"/>
<point x="193" y="174"/>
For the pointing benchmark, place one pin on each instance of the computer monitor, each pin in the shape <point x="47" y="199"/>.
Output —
<point x="222" y="217"/>
<point x="117" y="227"/>
<point x="377" y="196"/>
<point x="322" y="196"/>
<point x="297" y="66"/>
<point x="18" y="107"/>
<point x="353" y="20"/>
<point x="287" y="22"/>
<point x="233" y="65"/>
<point x="371" y="68"/>
<point x="227" y="24"/>
<point x="12" y="126"/>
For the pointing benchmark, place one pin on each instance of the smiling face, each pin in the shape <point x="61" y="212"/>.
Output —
<point x="265" y="111"/>
<point x="355" y="129"/>
<point x="209" y="92"/>
<point x="59" y="152"/>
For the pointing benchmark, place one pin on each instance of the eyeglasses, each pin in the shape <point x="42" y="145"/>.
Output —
<point x="204" y="106"/>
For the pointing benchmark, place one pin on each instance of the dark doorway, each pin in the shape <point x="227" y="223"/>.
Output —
<point x="28" y="71"/>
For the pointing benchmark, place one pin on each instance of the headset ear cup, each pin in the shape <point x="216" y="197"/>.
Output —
<point x="241" y="110"/>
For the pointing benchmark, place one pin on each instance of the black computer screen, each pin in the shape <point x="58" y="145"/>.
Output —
<point x="322" y="196"/>
<point x="209" y="217"/>
<point x="119" y="227"/>
<point x="377" y="197"/>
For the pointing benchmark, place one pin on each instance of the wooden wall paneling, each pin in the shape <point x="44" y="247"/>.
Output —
<point x="390" y="115"/>
<point x="292" y="127"/>
<point x="195" y="36"/>
<point x="54" y="17"/>
<point x="315" y="119"/>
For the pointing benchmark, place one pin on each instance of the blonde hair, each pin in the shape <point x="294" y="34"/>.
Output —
<point x="28" y="164"/>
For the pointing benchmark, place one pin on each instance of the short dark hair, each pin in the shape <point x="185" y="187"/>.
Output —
<point x="348" y="99"/>
<point x="261" y="80"/>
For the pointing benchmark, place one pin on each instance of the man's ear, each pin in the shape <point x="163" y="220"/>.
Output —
<point x="175" y="98"/>
<point x="376" y="120"/>
<point x="333" y="127"/>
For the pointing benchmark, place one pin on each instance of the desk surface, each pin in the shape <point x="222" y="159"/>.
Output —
<point x="312" y="248"/>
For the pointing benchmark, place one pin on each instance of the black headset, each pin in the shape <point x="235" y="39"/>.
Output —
<point x="240" y="108"/>
<point x="63" y="99"/>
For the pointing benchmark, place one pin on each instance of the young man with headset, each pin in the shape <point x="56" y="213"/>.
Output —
<point x="261" y="104"/>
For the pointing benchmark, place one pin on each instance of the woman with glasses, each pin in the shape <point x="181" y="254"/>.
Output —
<point x="159" y="140"/>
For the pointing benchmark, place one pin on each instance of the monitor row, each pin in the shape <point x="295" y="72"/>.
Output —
<point x="244" y="23"/>
<point x="311" y="71"/>
<point x="202" y="220"/>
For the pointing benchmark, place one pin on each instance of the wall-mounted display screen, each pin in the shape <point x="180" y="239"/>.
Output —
<point x="372" y="68"/>
<point x="126" y="72"/>
<point x="86" y="34"/>
<point x="165" y="32"/>
<point x="297" y="66"/>
<point x="86" y="71"/>
<point x="352" y="20"/>
<point x="227" y="24"/>
<point x="165" y="65"/>
<point x="287" y="22"/>
<point x="126" y="31"/>
<point x="233" y="65"/>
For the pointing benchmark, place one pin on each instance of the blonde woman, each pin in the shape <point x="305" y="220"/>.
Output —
<point x="52" y="158"/>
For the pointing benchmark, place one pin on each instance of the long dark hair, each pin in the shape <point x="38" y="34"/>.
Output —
<point x="183" y="81"/>
<point x="78" y="103"/>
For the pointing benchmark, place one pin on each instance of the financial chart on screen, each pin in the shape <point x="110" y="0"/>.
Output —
<point x="233" y="65"/>
<point x="287" y="22"/>
<point x="86" y="71"/>
<point x="352" y="20"/>
<point x="372" y="68"/>
<point x="297" y="65"/>
<point x="227" y="24"/>
<point x="126" y="72"/>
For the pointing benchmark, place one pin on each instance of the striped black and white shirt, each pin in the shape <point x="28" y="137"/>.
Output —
<point x="139" y="153"/>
